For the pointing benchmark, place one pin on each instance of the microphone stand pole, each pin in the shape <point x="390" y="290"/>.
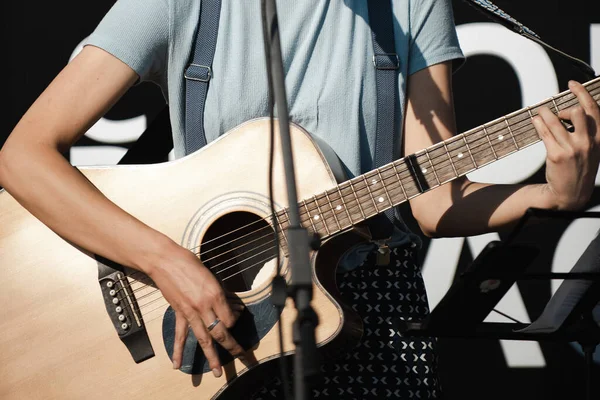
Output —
<point x="305" y="358"/>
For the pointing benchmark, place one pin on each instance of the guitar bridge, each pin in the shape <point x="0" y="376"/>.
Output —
<point x="123" y="309"/>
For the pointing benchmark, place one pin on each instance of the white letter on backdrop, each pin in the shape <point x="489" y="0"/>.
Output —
<point x="537" y="80"/>
<point x="595" y="47"/>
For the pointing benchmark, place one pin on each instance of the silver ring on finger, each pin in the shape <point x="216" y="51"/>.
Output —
<point x="213" y="324"/>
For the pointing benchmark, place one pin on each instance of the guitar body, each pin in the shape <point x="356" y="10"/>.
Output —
<point x="56" y="338"/>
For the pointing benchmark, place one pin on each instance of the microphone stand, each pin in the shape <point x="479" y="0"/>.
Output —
<point x="306" y="364"/>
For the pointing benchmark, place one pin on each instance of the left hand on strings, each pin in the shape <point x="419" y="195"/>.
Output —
<point x="572" y="157"/>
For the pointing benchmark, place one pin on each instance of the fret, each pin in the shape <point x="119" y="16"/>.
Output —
<point x="502" y="147"/>
<point x="527" y="135"/>
<point x="357" y="200"/>
<point x="569" y="100"/>
<point x="460" y="154"/>
<point x="414" y="160"/>
<point x="521" y="131"/>
<point x="385" y="188"/>
<point x="469" y="150"/>
<point x="490" y="142"/>
<point x="279" y="224"/>
<point x="309" y="217"/>
<point x="433" y="168"/>
<point x="535" y="136"/>
<point x="511" y="133"/>
<point x="285" y="241"/>
<point x="370" y="192"/>
<point x="555" y="105"/>
<point x="380" y="200"/>
<point x="344" y="206"/>
<point x="286" y="215"/>
<point x="450" y="158"/>
<point x="530" y="113"/>
<point x="333" y="211"/>
<point x="322" y="216"/>
<point x="400" y="180"/>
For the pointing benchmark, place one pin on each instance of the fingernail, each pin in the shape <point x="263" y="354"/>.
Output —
<point x="175" y="364"/>
<point x="571" y="84"/>
<point x="217" y="372"/>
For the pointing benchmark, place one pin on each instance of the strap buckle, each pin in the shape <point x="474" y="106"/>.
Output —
<point x="386" y="61"/>
<point x="197" y="72"/>
<point x="383" y="252"/>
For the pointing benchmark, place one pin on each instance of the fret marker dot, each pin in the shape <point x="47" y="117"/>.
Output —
<point x="460" y="155"/>
<point x="501" y="137"/>
<point x="380" y="199"/>
<point x="316" y="217"/>
<point x="338" y="208"/>
<point x="424" y="170"/>
<point x="374" y="181"/>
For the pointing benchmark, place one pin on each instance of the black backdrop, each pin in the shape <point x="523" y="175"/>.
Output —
<point x="39" y="39"/>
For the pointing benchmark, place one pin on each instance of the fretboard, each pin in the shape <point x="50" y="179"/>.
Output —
<point x="367" y="195"/>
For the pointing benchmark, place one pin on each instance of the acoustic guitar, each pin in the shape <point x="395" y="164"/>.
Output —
<point x="76" y="326"/>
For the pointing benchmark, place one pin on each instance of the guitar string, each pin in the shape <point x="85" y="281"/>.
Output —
<point x="231" y="266"/>
<point x="566" y="99"/>
<point x="145" y="286"/>
<point x="148" y="312"/>
<point x="230" y="276"/>
<point x="139" y="308"/>
<point x="472" y="148"/>
<point x="214" y="267"/>
<point x="526" y="132"/>
<point x="267" y="220"/>
<point x="523" y="133"/>
<point x="160" y="306"/>
<point x="563" y="98"/>
<point x="460" y="139"/>
<point x="446" y="162"/>
<point x="473" y="160"/>
<point x="449" y="142"/>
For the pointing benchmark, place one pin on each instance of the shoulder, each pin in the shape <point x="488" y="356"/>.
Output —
<point x="141" y="32"/>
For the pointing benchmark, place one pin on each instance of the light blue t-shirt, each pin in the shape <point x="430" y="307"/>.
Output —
<point x="327" y="52"/>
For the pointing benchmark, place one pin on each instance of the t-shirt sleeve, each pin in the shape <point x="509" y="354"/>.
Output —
<point x="433" y="37"/>
<point x="137" y="33"/>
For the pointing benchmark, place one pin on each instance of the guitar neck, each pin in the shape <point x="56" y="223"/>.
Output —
<point x="367" y="195"/>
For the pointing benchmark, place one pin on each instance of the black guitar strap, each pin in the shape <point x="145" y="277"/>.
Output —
<point x="387" y="66"/>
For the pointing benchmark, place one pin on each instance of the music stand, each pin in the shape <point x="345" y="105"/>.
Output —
<point x="571" y="315"/>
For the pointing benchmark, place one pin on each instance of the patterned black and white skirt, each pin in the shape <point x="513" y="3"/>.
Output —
<point x="384" y="364"/>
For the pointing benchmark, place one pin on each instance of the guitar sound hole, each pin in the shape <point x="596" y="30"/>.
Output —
<point x="239" y="248"/>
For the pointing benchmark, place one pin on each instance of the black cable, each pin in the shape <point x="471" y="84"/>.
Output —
<point x="279" y="280"/>
<point x="507" y="316"/>
<point x="496" y="14"/>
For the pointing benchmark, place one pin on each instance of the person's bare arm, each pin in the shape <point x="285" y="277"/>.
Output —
<point x="464" y="208"/>
<point x="33" y="170"/>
